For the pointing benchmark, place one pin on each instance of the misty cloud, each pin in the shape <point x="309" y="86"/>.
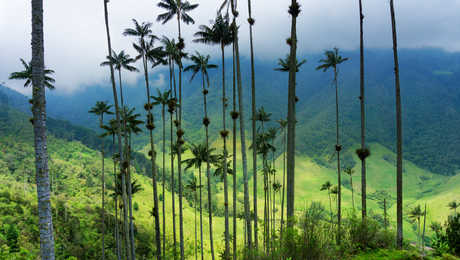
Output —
<point x="75" y="40"/>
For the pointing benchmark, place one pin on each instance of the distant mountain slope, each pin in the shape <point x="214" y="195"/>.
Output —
<point x="430" y="95"/>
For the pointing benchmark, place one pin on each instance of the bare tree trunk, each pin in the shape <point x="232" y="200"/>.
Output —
<point x="338" y="147"/>
<point x="423" y="234"/>
<point x="242" y="131"/>
<point x="117" y="116"/>
<point x="363" y="112"/>
<point x="294" y="10"/>
<point x="399" y="177"/>
<point x="254" y="133"/>
<point x="164" y="180"/>
<point x="284" y="184"/>
<point x="40" y="139"/>
<point x="224" y="105"/>
<point x="173" y="76"/>
<point x="103" y="191"/>
<point x="234" y="154"/>
<point x="201" y="218"/>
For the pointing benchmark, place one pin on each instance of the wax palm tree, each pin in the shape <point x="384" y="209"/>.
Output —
<point x="145" y="48"/>
<point x="284" y="64"/>
<point x="200" y="154"/>
<point x="294" y="11"/>
<point x="100" y="109"/>
<point x="415" y="214"/>
<point x="332" y="60"/>
<point x="453" y="205"/>
<point x="162" y="98"/>
<point x="230" y="4"/>
<point x="283" y="124"/>
<point x="399" y="162"/>
<point x="120" y="61"/>
<point x="179" y="9"/>
<point x="327" y="186"/>
<point x="363" y="152"/>
<point x="117" y="117"/>
<point x="350" y="172"/>
<point x="26" y="75"/>
<point x="220" y="166"/>
<point x="234" y="113"/>
<point x="38" y="79"/>
<point x="111" y="130"/>
<point x="220" y="33"/>
<point x="192" y="186"/>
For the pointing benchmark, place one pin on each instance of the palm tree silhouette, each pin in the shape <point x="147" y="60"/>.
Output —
<point x="120" y="61"/>
<point x="147" y="52"/>
<point x="100" y="109"/>
<point x="162" y="98"/>
<point x="332" y="60"/>
<point x="111" y="130"/>
<point x="117" y="116"/>
<point x="327" y="186"/>
<point x="415" y="214"/>
<point x="453" y="205"/>
<point x="192" y="186"/>
<point x="284" y="64"/>
<point x="179" y="9"/>
<point x="26" y="75"/>
<point x="220" y="33"/>
<point x="200" y="154"/>
<point x="350" y="172"/>
<point x="283" y="124"/>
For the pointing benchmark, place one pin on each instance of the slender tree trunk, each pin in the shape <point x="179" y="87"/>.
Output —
<point x="224" y="105"/>
<point x="179" y="160"/>
<point x="242" y="132"/>
<point x="164" y="179"/>
<point x="284" y="184"/>
<point x="254" y="133"/>
<point x="173" y="76"/>
<point x="117" y="233"/>
<point x="118" y="124"/>
<point x="130" y="200"/>
<point x="338" y="148"/>
<point x="234" y="156"/>
<point x="40" y="139"/>
<point x="196" y="252"/>
<point x="330" y="205"/>
<point x="153" y="164"/>
<point x="121" y="89"/>
<point x="103" y="191"/>
<point x="363" y="112"/>
<point x="399" y="177"/>
<point x="294" y="11"/>
<point x="385" y="219"/>
<point x="423" y="234"/>
<point x="201" y="218"/>
<point x="352" y="193"/>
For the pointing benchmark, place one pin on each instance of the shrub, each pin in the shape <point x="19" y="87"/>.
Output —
<point x="453" y="233"/>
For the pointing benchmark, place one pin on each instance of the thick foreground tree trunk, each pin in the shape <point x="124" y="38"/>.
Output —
<point x="40" y="142"/>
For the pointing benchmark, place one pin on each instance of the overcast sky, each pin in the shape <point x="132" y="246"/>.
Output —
<point x="75" y="41"/>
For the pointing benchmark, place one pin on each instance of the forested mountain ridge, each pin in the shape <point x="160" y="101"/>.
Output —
<point x="430" y="96"/>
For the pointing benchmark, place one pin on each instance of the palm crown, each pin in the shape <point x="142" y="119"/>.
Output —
<point x="200" y="155"/>
<point x="101" y="108"/>
<point x="220" y="32"/>
<point x="162" y="98"/>
<point x="332" y="60"/>
<point x="200" y="64"/>
<point x="26" y="75"/>
<point x="176" y="7"/>
<point x="121" y="60"/>
<point x="284" y="64"/>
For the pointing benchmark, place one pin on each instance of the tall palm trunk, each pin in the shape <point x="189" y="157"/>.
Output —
<point x="179" y="160"/>
<point x="117" y="233"/>
<point x="196" y="252"/>
<point x="173" y="185"/>
<point x="363" y="112"/>
<point x="164" y="178"/>
<point x="338" y="148"/>
<point x="352" y="193"/>
<point x="284" y="184"/>
<point x="254" y="133"/>
<point x="101" y="121"/>
<point x="40" y="139"/>
<point x="201" y="217"/>
<point x="247" y="215"/>
<point x="234" y="116"/>
<point x="117" y="116"/>
<point x="224" y="135"/>
<point x="399" y="177"/>
<point x="153" y="164"/>
<point x="330" y="204"/>
<point x="294" y="10"/>
<point x="121" y="89"/>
